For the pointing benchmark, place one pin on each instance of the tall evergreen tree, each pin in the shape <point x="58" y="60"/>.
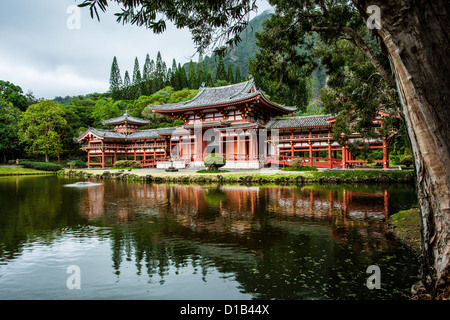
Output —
<point x="115" y="79"/>
<point x="146" y="72"/>
<point x="230" y="76"/>
<point x="126" y="86"/>
<point x="137" y="78"/>
<point x="183" y="77"/>
<point x="159" y="72"/>
<point x="192" y="76"/>
<point x="220" y="71"/>
<point x="237" y="75"/>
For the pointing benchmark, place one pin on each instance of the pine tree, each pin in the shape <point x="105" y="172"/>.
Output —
<point x="115" y="80"/>
<point x="126" y="86"/>
<point x="230" y="77"/>
<point x="200" y="66"/>
<point x="159" y="72"/>
<point x="209" y="79"/>
<point x="137" y="78"/>
<point x="192" y="78"/>
<point x="146" y="72"/>
<point x="173" y="82"/>
<point x="237" y="75"/>
<point x="183" y="77"/>
<point x="220" y="71"/>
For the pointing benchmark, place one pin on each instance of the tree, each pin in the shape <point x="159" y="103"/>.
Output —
<point x="192" y="76"/>
<point x="14" y="94"/>
<point x="115" y="80"/>
<point x="159" y="72"/>
<point x="126" y="86"/>
<point x="230" y="76"/>
<point x="9" y="118"/>
<point x="147" y="75"/>
<point x="40" y="128"/>
<point x="237" y="75"/>
<point x="220" y="71"/>
<point x="420" y="67"/>
<point x="137" y="77"/>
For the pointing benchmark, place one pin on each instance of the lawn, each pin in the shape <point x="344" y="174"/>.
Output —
<point x="12" y="171"/>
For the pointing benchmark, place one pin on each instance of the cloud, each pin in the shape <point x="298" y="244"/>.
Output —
<point x="40" y="53"/>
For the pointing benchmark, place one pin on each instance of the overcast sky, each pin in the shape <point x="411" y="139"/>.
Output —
<point x="42" y="50"/>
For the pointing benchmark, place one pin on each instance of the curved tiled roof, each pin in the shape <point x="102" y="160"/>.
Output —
<point x="142" y="134"/>
<point x="207" y="97"/>
<point x="125" y="118"/>
<point x="299" y="122"/>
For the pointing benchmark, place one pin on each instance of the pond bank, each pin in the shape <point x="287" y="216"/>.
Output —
<point x="19" y="171"/>
<point x="266" y="176"/>
<point x="405" y="226"/>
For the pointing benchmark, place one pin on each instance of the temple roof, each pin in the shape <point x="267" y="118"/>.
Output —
<point x="207" y="97"/>
<point x="142" y="134"/>
<point x="125" y="118"/>
<point x="300" y="122"/>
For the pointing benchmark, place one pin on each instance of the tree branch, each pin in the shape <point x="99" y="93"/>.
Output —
<point x="362" y="46"/>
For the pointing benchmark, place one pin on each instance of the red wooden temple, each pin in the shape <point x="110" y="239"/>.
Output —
<point x="237" y="121"/>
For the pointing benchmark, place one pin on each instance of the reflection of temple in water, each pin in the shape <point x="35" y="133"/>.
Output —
<point x="234" y="209"/>
<point x="247" y="232"/>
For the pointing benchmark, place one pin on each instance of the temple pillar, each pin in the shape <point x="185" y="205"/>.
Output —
<point x="310" y="152"/>
<point x="344" y="157"/>
<point x="330" y="162"/>
<point x="385" y="155"/>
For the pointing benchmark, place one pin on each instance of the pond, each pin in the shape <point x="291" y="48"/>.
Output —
<point x="60" y="239"/>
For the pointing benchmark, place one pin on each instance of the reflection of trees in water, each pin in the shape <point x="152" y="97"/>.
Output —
<point x="278" y="242"/>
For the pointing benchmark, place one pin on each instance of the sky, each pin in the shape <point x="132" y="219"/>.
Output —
<point x="49" y="49"/>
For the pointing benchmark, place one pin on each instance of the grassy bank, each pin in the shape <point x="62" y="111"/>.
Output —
<point x="275" y="177"/>
<point x="19" y="171"/>
<point x="405" y="226"/>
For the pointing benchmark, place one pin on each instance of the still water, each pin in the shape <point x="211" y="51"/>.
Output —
<point x="129" y="240"/>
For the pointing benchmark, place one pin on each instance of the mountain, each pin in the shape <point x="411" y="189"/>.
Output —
<point x="239" y="55"/>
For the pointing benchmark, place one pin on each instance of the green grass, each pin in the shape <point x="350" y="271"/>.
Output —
<point x="302" y="168"/>
<point x="212" y="171"/>
<point x="11" y="171"/>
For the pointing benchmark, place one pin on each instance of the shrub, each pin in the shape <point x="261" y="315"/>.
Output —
<point x="77" y="164"/>
<point x="127" y="164"/>
<point x="44" y="166"/>
<point x="214" y="161"/>
<point x="297" y="162"/>
<point x="407" y="161"/>
<point x="394" y="159"/>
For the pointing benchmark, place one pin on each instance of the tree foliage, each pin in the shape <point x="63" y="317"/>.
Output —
<point x="9" y="118"/>
<point x="41" y="127"/>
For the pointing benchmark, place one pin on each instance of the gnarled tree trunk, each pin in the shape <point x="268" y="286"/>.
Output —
<point x="416" y="37"/>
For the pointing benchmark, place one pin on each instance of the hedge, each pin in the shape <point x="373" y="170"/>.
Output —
<point x="44" y="166"/>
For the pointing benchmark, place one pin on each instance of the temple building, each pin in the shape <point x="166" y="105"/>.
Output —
<point x="237" y="121"/>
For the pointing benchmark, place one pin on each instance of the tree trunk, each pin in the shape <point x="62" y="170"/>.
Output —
<point x="46" y="156"/>
<point x="416" y="37"/>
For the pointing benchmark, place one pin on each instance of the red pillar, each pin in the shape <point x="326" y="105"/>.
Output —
<point x="385" y="155"/>
<point x="344" y="157"/>
<point x="330" y="162"/>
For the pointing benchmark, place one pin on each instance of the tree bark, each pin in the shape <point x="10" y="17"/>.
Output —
<point x="416" y="36"/>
